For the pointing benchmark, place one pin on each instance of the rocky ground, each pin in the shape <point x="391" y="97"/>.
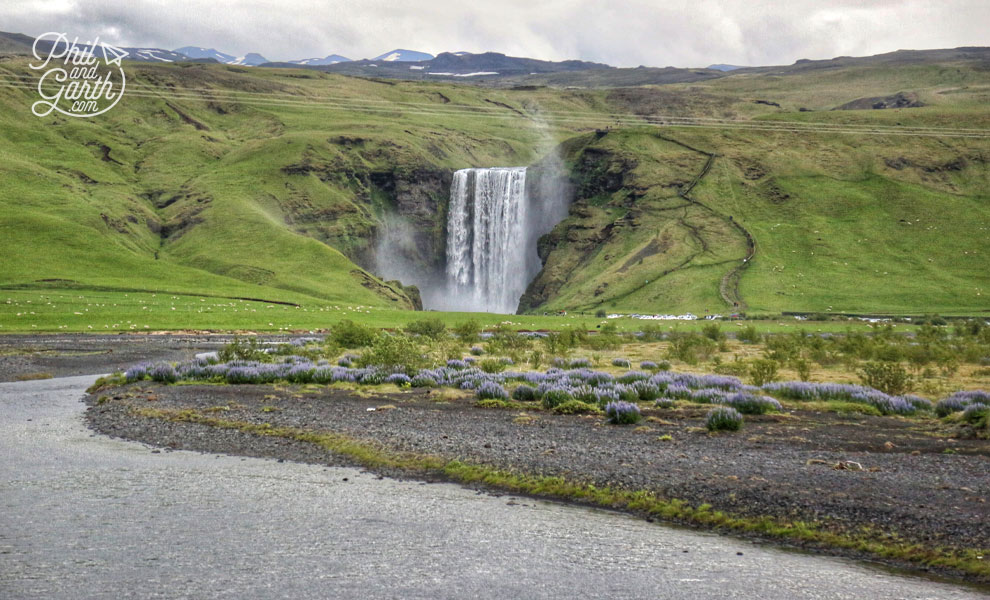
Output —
<point x="911" y="477"/>
<point x="895" y="475"/>
<point x="64" y="355"/>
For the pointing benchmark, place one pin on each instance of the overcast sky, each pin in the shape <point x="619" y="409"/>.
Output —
<point x="622" y="33"/>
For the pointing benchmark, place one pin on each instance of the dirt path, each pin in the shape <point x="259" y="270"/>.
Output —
<point x="729" y="284"/>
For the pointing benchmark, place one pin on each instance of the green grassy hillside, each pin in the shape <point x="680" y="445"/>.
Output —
<point x="272" y="184"/>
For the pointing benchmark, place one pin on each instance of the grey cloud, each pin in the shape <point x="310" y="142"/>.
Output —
<point x="678" y="32"/>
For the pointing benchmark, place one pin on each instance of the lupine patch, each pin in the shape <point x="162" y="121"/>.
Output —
<point x="723" y="418"/>
<point x="622" y="413"/>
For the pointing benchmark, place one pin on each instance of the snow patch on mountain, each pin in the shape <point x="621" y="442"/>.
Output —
<point x="195" y="52"/>
<point x="251" y="59"/>
<point x="400" y="55"/>
<point x="331" y="59"/>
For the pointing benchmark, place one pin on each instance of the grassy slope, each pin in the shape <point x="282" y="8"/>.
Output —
<point x="211" y="171"/>
<point x="211" y="174"/>
<point x="844" y="223"/>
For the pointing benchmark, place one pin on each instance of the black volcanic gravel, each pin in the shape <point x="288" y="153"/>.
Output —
<point x="778" y="465"/>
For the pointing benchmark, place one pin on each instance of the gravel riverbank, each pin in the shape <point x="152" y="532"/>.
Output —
<point x="783" y="466"/>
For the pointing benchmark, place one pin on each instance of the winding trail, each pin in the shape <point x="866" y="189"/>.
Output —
<point x="729" y="284"/>
<point x="86" y="516"/>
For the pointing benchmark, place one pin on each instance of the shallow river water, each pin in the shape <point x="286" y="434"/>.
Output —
<point x="86" y="516"/>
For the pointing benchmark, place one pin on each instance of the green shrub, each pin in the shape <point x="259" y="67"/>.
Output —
<point x="434" y="328"/>
<point x="574" y="407"/>
<point x="713" y="332"/>
<point x="468" y="331"/>
<point x="763" y="370"/>
<point x="888" y="377"/>
<point x="690" y="347"/>
<point x="536" y="359"/>
<point x="243" y="349"/>
<point x="736" y="368"/>
<point x="394" y="352"/>
<point x="505" y="340"/>
<point x="492" y="365"/>
<point x="748" y="334"/>
<point x="492" y="403"/>
<point x="348" y="334"/>
<point x="525" y="393"/>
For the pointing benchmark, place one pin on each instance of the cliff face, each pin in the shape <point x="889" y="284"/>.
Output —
<point x="419" y="205"/>
<point x="408" y="241"/>
<point x="594" y="174"/>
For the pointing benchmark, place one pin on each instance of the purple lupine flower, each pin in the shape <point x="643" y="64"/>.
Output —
<point x="163" y="373"/>
<point x="622" y="413"/>
<point x="632" y="377"/>
<point x="492" y="391"/>
<point x="136" y="373"/>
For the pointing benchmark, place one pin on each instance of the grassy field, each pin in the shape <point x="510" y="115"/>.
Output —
<point x="88" y="311"/>
<point x="267" y="184"/>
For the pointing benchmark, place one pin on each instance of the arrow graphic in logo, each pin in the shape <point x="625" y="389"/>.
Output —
<point x="117" y="54"/>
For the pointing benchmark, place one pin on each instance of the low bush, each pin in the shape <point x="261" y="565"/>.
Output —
<point x="525" y="393"/>
<point x="493" y="365"/>
<point x="748" y="404"/>
<point x="468" y="331"/>
<point x="574" y="407"/>
<point x="723" y="418"/>
<point x="748" y="335"/>
<point x="492" y="391"/>
<point x="435" y="329"/>
<point x="393" y="352"/>
<point x="623" y="413"/>
<point x="888" y="377"/>
<point x="976" y="414"/>
<point x="555" y="397"/>
<point x="163" y="373"/>
<point x="348" y="334"/>
<point x="242" y="349"/>
<point x="763" y="371"/>
<point x="423" y="381"/>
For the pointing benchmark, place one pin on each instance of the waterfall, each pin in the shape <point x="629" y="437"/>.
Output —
<point x="491" y="249"/>
<point x="495" y="218"/>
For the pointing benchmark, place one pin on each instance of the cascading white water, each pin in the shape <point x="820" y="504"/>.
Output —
<point x="495" y="218"/>
<point x="491" y="249"/>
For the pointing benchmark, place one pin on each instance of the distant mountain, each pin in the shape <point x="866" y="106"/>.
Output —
<point x="462" y="63"/>
<point x="18" y="43"/>
<point x="196" y="52"/>
<point x="461" y="66"/>
<point x="154" y="55"/>
<point x="251" y="59"/>
<point x="723" y="67"/>
<point x="400" y="55"/>
<point x="332" y="59"/>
